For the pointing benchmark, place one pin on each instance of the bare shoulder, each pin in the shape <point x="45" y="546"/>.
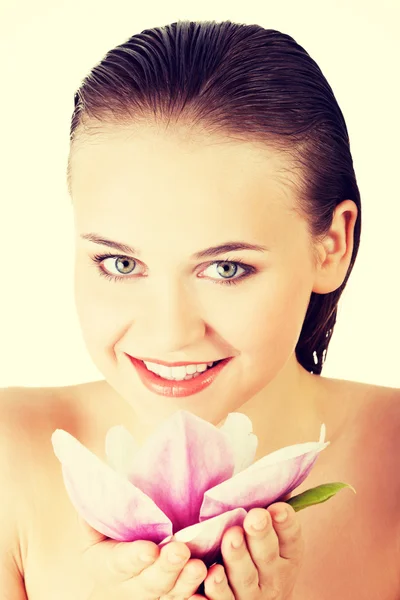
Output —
<point x="19" y="405"/>
<point x="11" y="569"/>
<point x="377" y="449"/>
<point x="373" y="412"/>
<point x="372" y="434"/>
<point x="22" y="415"/>
<point x="363" y="529"/>
<point x="37" y="521"/>
<point x="380" y="412"/>
<point x="380" y="436"/>
<point x="28" y="416"/>
<point x="370" y="406"/>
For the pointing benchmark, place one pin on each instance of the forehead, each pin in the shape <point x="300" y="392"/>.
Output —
<point x="116" y="155"/>
<point x="148" y="174"/>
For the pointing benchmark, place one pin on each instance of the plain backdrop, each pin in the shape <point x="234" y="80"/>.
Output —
<point x="47" y="48"/>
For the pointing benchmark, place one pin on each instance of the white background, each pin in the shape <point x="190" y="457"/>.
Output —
<point x="48" y="46"/>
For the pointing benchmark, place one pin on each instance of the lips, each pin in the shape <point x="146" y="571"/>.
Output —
<point x="175" y="388"/>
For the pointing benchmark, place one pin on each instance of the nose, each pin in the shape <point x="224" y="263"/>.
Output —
<point x="171" y="319"/>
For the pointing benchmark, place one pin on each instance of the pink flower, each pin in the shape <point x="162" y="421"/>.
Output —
<point x="189" y="482"/>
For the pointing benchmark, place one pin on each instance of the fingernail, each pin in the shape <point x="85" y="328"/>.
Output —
<point x="260" y="524"/>
<point x="147" y="557"/>
<point x="281" y="516"/>
<point x="219" y="577"/>
<point x="237" y="541"/>
<point x="176" y="558"/>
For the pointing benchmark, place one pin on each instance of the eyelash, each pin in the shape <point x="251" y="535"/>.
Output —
<point x="98" y="259"/>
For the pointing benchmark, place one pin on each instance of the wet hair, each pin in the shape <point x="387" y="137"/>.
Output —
<point x="241" y="82"/>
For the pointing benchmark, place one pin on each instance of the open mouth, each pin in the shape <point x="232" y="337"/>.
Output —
<point x="188" y="376"/>
<point x="189" y="385"/>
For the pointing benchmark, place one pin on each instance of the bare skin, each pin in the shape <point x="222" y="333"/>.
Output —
<point x="350" y="541"/>
<point x="158" y="201"/>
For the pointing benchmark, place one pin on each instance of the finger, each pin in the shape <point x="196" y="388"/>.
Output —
<point x="240" y="569"/>
<point x="262" y="542"/>
<point x="216" y="585"/>
<point x="129" y="559"/>
<point x="104" y="556"/>
<point x="193" y="574"/>
<point x="160" y="577"/>
<point x="288" y="530"/>
<point x="119" y="561"/>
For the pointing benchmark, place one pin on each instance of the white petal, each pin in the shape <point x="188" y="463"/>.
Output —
<point x="204" y="539"/>
<point x="271" y="477"/>
<point x="239" y="430"/>
<point x="104" y="498"/>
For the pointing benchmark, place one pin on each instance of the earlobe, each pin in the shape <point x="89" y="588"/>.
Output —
<point x="335" y="249"/>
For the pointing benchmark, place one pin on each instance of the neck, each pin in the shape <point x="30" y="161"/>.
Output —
<point x="289" y="411"/>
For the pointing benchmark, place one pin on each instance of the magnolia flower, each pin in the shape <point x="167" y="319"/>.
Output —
<point x="189" y="482"/>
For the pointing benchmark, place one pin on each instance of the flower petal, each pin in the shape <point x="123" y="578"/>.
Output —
<point x="204" y="539"/>
<point x="106" y="499"/>
<point x="121" y="448"/>
<point x="239" y="429"/>
<point x="180" y="461"/>
<point x="265" y="481"/>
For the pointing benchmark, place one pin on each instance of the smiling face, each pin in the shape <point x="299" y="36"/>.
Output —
<point x="169" y="197"/>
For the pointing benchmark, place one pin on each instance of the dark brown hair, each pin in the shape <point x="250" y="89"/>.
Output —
<point x="247" y="83"/>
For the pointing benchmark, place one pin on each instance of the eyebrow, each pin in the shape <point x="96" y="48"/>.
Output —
<point x="206" y="253"/>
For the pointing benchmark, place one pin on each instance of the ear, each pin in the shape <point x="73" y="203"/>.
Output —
<point x="334" y="250"/>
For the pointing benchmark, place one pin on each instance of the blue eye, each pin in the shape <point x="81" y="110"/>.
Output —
<point x="225" y="266"/>
<point x="98" y="259"/>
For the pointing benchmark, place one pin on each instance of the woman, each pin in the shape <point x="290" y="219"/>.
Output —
<point x="202" y="154"/>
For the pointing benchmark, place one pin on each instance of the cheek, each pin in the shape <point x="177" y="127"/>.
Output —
<point x="97" y="308"/>
<point x="274" y="317"/>
<point x="265" y="316"/>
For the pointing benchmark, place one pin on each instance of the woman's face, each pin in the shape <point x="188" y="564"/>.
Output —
<point x="169" y="198"/>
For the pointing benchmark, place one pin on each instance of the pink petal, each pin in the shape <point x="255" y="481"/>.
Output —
<point x="204" y="539"/>
<point x="105" y="498"/>
<point x="183" y="458"/>
<point x="265" y="481"/>
<point x="239" y="429"/>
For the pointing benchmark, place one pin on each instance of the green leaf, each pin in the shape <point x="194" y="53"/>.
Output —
<point x="316" y="495"/>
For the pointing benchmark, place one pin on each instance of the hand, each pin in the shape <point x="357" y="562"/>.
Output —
<point x="265" y="566"/>
<point x="119" y="571"/>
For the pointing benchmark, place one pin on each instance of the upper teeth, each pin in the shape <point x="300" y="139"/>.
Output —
<point x="176" y="372"/>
